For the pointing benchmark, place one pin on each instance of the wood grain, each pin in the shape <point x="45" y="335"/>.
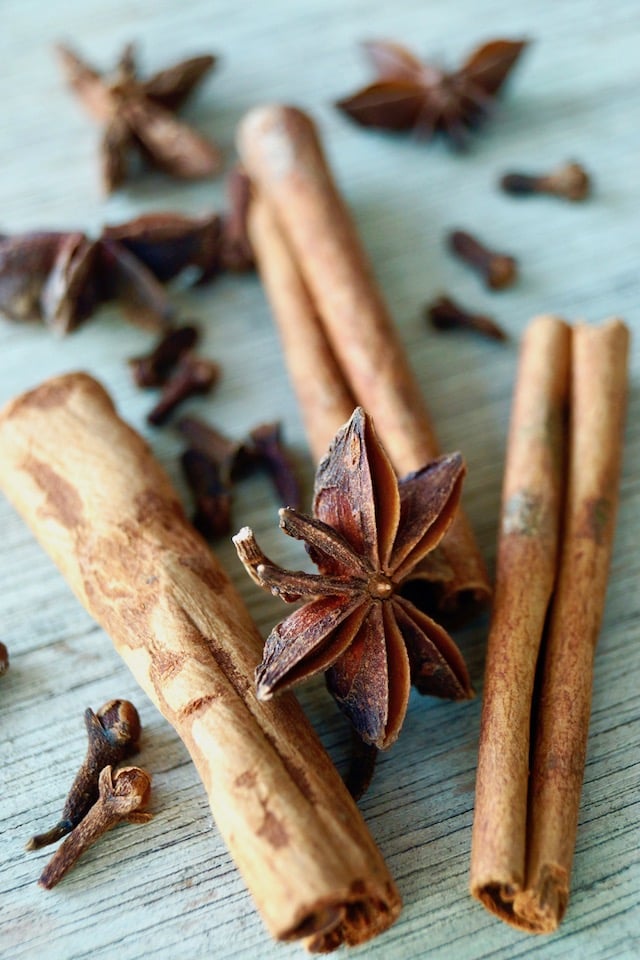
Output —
<point x="170" y="890"/>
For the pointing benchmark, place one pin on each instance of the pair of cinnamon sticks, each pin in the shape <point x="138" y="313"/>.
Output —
<point x="340" y="343"/>
<point x="559" y="507"/>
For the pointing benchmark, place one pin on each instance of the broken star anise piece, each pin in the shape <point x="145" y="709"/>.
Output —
<point x="140" y="114"/>
<point x="368" y="532"/>
<point x="408" y="94"/>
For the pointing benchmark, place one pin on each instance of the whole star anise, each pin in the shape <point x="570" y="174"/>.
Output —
<point x="368" y="532"/>
<point x="408" y="94"/>
<point x="139" y="114"/>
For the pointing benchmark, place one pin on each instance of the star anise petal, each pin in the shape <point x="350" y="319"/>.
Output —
<point x="356" y="491"/>
<point x="399" y="672"/>
<point x="168" y="243"/>
<point x="170" y="88"/>
<point x="114" y="153"/>
<point x="171" y="145"/>
<point x="429" y="499"/>
<point x="393" y="61"/>
<point x="289" y="585"/>
<point x="300" y="638"/>
<point x="350" y="679"/>
<point x="489" y="65"/>
<point x="386" y="104"/>
<point x="86" y="82"/>
<point x="69" y="294"/>
<point x="328" y="550"/>
<point x="437" y="666"/>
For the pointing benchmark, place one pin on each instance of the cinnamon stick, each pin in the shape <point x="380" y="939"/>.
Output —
<point x="105" y="511"/>
<point x="324" y="399"/>
<point x="525" y="575"/>
<point x="532" y="892"/>
<point x="281" y="151"/>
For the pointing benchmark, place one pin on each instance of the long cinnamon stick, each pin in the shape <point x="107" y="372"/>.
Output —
<point x="532" y="891"/>
<point x="525" y="574"/>
<point x="281" y="151"/>
<point x="105" y="511"/>
<point x="324" y="399"/>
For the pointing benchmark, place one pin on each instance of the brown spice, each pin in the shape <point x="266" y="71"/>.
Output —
<point x="367" y="533"/>
<point x="183" y="630"/>
<point x="113" y="733"/>
<point x="445" y="314"/>
<point x="570" y="181"/>
<point x="553" y="562"/>
<point x="139" y="115"/>
<point x="409" y="94"/>
<point x="122" y="796"/>
<point x="498" y="270"/>
<point x="4" y="659"/>
<point x="170" y="243"/>
<point x="191" y="375"/>
<point x="153" y="368"/>
<point x="212" y="517"/>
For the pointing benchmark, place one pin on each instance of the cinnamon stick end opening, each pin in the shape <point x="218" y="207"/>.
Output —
<point x="538" y="909"/>
<point x="364" y="913"/>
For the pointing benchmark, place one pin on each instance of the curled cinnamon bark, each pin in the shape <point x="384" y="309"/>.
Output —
<point x="524" y="832"/>
<point x="102" y="507"/>
<point x="281" y="151"/>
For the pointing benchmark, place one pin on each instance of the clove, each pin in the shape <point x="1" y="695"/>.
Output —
<point x="445" y="314"/>
<point x="192" y="375"/>
<point x="231" y="457"/>
<point x="113" y="734"/>
<point x="570" y="181"/>
<point x="267" y="448"/>
<point x="212" y="515"/>
<point x="153" y="368"/>
<point x="498" y="270"/>
<point x="121" y="797"/>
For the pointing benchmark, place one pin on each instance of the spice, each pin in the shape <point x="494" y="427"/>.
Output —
<point x="153" y="368"/>
<point x="367" y="534"/>
<point x="185" y="633"/>
<point x="121" y="798"/>
<point x="362" y="766"/>
<point x="229" y="456"/>
<point x="266" y="448"/>
<point x="170" y="243"/>
<point x="556" y="538"/>
<point x="445" y="314"/>
<point x="570" y="181"/>
<point x="60" y="279"/>
<point x="139" y="115"/>
<point x="498" y="270"/>
<point x="236" y="253"/>
<point x="212" y="517"/>
<point x="113" y="734"/>
<point x="262" y="447"/>
<point x="4" y="659"/>
<point x="340" y="341"/>
<point x="191" y="375"/>
<point x="409" y="94"/>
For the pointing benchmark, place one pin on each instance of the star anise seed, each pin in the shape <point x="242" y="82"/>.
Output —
<point x="139" y="114"/>
<point x="408" y="94"/>
<point x="368" y="533"/>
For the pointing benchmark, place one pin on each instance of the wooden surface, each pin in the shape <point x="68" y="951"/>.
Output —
<point x="169" y="889"/>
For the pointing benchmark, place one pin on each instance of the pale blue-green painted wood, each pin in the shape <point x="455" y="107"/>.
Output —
<point x="169" y="889"/>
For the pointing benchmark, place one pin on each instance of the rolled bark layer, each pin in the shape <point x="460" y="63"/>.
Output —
<point x="105" y="511"/>
<point x="283" y="156"/>
<point x="554" y="552"/>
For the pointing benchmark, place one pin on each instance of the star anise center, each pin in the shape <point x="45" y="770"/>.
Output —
<point x="368" y="534"/>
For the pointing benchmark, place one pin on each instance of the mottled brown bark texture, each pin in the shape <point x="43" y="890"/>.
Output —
<point x="316" y="268"/>
<point x="560" y="499"/>
<point x="91" y="491"/>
